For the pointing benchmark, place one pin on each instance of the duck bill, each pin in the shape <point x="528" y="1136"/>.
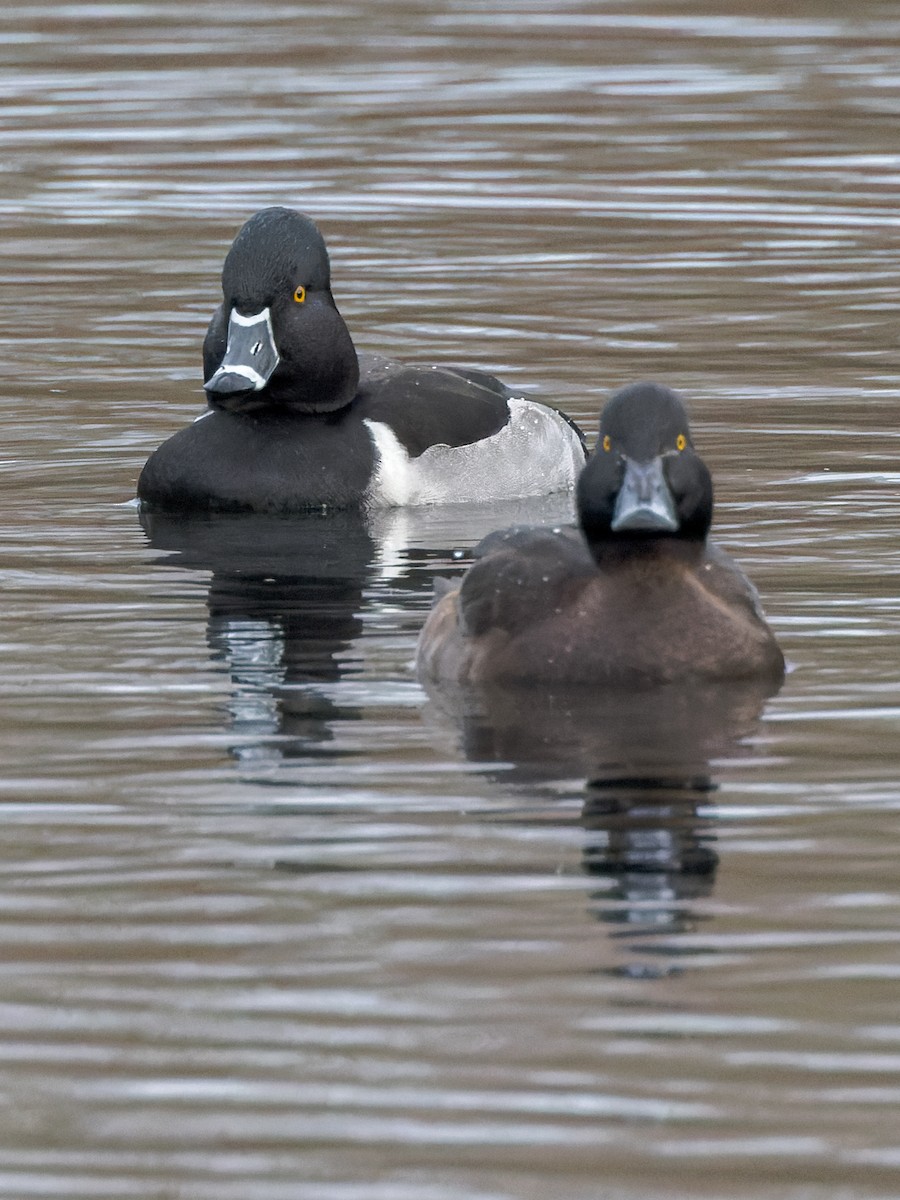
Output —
<point x="250" y="357"/>
<point x="644" y="503"/>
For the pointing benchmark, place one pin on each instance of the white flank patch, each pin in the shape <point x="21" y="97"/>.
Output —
<point x="535" y="453"/>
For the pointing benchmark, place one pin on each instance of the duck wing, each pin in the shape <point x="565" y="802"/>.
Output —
<point x="519" y="576"/>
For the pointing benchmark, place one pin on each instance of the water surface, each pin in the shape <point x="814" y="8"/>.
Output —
<point x="273" y="923"/>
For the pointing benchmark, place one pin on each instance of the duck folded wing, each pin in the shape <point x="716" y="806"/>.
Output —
<point x="725" y="580"/>
<point x="512" y="567"/>
<point x="427" y="406"/>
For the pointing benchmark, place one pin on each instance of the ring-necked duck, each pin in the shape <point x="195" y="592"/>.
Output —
<point x="637" y="595"/>
<point x="297" y="421"/>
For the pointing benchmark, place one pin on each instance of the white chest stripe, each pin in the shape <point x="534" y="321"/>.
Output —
<point x="535" y="453"/>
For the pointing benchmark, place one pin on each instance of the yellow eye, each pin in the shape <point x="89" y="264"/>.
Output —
<point x="607" y="443"/>
<point x="680" y="442"/>
<point x="300" y="294"/>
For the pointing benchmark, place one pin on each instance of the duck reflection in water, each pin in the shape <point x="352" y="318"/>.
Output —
<point x="641" y="764"/>
<point x="284" y="601"/>
<point x="289" y="597"/>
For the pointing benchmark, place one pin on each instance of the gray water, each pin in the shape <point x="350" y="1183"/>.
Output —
<point x="273" y="923"/>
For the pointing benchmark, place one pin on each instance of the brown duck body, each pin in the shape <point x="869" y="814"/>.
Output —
<point x="536" y="606"/>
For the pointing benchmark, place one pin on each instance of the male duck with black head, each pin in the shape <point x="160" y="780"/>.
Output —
<point x="297" y="421"/>
<point x="637" y="595"/>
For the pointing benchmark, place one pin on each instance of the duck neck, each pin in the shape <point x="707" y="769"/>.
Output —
<point x="618" y="550"/>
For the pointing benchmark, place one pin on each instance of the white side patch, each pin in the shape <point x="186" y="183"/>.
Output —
<point x="535" y="453"/>
<point x="391" y="485"/>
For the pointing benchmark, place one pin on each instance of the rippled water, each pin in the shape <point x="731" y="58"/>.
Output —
<point x="273" y="923"/>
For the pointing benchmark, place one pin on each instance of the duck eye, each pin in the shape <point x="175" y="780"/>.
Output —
<point x="607" y="442"/>
<point x="680" y="442"/>
<point x="300" y="294"/>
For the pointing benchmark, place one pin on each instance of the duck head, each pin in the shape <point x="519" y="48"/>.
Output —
<point x="644" y="480"/>
<point x="277" y="340"/>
